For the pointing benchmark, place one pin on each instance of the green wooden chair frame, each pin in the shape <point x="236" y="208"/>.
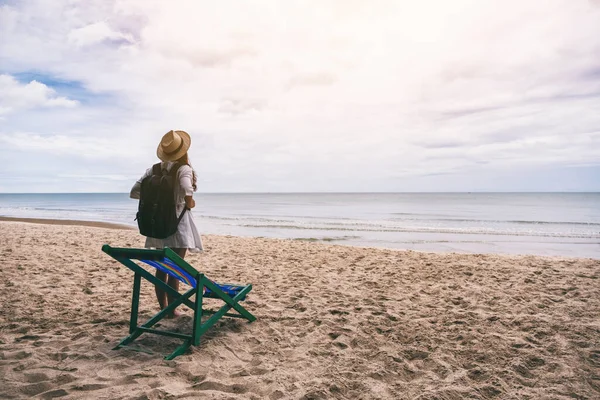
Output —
<point x="201" y="287"/>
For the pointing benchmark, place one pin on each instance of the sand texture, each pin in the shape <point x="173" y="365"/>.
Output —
<point x="333" y="322"/>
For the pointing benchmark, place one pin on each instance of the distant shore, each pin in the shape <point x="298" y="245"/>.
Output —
<point x="72" y="222"/>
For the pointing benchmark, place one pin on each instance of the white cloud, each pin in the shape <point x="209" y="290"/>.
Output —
<point x="95" y="33"/>
<point x="235" y="107"/>
<point x="80" y="147"/>
<point x="15" y="96"/>
<point x="92" y="178"/>
<point x="312" y="79"/>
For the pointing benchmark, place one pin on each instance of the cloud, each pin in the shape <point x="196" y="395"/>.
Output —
<point x="92" y="178"/>
<point x="312" y="79"/>
<point x="368" y="96"/>
<point x="235" y="107"/>
<point x="206" y="57"/>
<point x="95" y="33"/>
<point x="15" y="96"/>
<point x="80" y="147"/>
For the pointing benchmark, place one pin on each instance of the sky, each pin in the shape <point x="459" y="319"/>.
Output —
<point x="302" y="96"/>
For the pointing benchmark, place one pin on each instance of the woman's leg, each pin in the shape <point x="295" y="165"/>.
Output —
<point x="174" y="282"/>
<point x="161" y="296"/>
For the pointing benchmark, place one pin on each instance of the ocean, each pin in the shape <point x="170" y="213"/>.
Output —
<point x="555" y="224"/>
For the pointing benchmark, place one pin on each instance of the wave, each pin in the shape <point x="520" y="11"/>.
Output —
<point x="327" y="220"/>
<point x="271" y="217"/>
<point x="500" y="221"/>
<point x="295" y="218"/>
<point x="450" y="226"/>
<point x="30" y="208"/>
<point x="467" y="231"/>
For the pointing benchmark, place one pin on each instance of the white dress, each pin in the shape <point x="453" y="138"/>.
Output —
<point x="187" y="236"/>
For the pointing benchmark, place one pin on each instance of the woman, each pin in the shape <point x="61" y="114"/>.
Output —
<point x="173" y="149"/>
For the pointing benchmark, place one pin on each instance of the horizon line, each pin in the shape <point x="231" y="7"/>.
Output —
<point x="340" y="192"/>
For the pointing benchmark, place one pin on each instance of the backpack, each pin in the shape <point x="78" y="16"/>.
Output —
<point x="156" y="216"/>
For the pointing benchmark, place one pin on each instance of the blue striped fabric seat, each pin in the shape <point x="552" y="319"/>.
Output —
<point x="169" y="267"/>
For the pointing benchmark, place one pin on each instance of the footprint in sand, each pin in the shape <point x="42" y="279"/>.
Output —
<point x="52" y="394"/>
<point x="36" y="388"/>
<point x="477" y="374"/>
<point x="89" y="387"/>
<point x="254" y="371"/>
<point x="220" y="387"/>
<point x="36" y="377"/>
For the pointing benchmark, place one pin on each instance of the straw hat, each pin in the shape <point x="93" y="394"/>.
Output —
<point x="173" y="145"/>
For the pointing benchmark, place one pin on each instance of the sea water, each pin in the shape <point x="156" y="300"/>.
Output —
<point x="562" y="224"/>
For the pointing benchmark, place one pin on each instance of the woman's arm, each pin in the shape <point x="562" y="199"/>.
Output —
<point x="137" y="187"/>
<point x="189" y="202"/>
<point x="185" y="182"/>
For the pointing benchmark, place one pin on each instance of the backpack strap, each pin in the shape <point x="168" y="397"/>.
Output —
<point x="174" y="169"/>
<point x="156" y="169"/>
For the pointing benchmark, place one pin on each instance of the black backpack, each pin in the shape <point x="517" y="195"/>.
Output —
<point x="156" y="216"/>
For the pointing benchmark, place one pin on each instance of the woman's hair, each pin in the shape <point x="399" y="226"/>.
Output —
<point x="184" y="160"/>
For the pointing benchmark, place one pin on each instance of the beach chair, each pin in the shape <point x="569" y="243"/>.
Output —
<point x="168" y="261"/>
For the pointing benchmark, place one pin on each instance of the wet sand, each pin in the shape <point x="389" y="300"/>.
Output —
<point x="95" y="224"/>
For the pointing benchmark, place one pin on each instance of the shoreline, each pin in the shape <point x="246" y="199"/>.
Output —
<point x="69" y="222"/>
<point x="551" y="226"/>
<point x="325" y="241"/>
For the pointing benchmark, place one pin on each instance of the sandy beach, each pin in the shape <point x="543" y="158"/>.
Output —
<point x="333" y="322"/>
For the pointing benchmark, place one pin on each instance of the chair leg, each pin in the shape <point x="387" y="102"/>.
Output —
<point x="232" y="302"/>
<point x="180" y="350"/>
<point x="135" y="302"/>
<point x="160" y="315"/>
<point x="198" y="314"/>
